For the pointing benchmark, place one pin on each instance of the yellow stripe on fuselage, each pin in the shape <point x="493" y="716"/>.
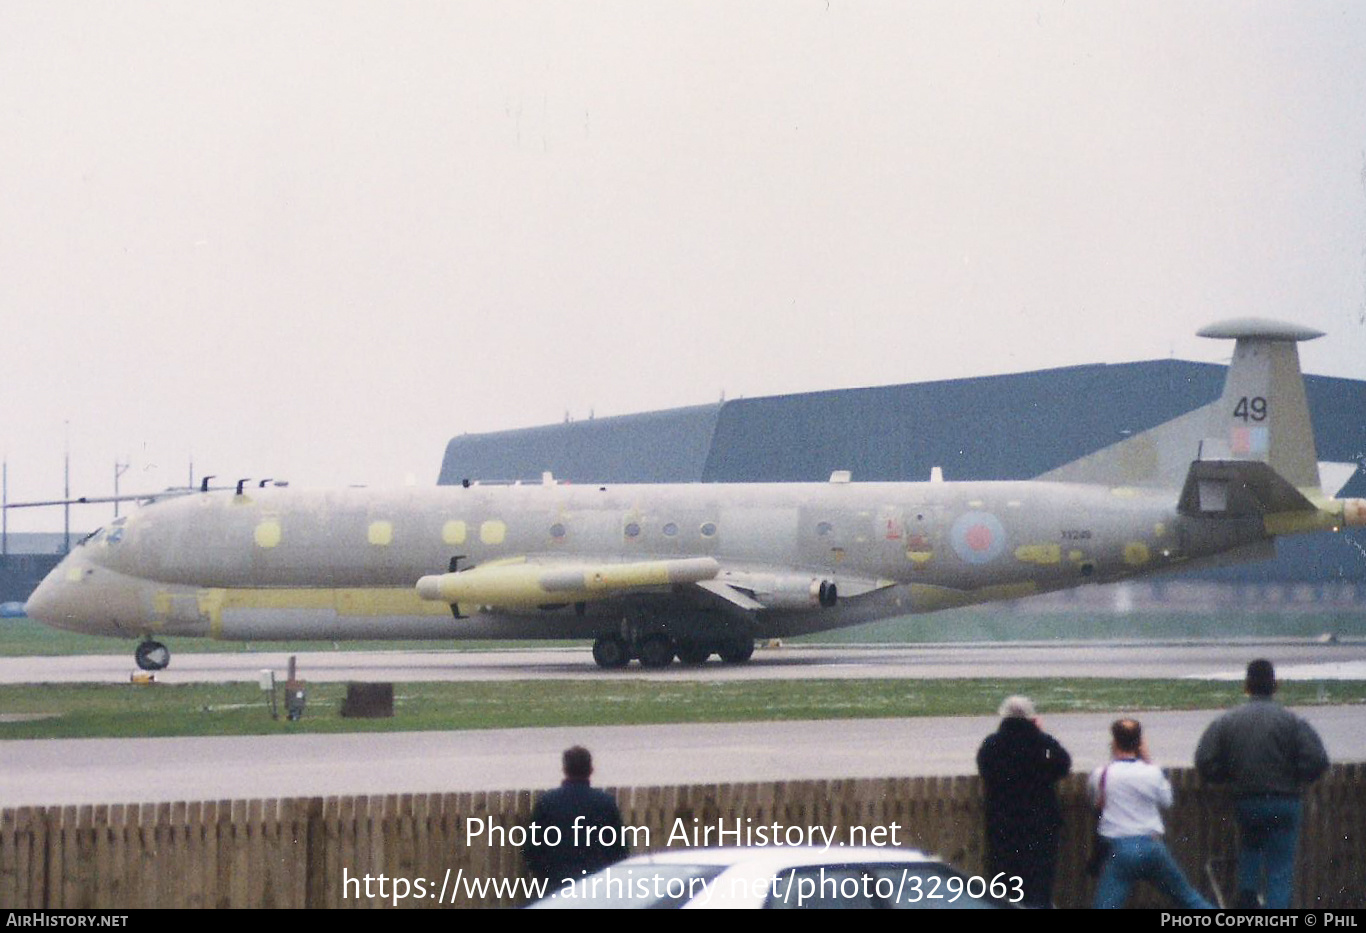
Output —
<point x="362" y="602"/>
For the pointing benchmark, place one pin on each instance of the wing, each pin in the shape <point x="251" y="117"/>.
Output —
<point x="781" y="588"/>
<point x="521" y="583"/>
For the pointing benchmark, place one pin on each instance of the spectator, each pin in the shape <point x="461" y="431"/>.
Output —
<point x="589" y="836"/>
<point x="1020" y="764"/>
<point x="1267" y="754"/>
<point x="1131" y="792"/>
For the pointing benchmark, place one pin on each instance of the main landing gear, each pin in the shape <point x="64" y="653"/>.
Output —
<point x="152" y="655"/>
<point x="610" y="652"/>
<point x="657" y="650"/>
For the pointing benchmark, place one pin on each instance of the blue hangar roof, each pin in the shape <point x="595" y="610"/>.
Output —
<point x="989" y="427"/>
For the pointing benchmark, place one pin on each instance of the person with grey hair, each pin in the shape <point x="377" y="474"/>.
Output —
<point x="1020" y="764"/>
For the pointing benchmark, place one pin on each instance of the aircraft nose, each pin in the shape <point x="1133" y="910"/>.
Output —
<point x="81" y="597"/>
<point x="46" y="602"/>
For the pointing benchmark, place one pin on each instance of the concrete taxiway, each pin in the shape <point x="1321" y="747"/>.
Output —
<point x="1293" y="658"/>
<point x="76" y="771"/>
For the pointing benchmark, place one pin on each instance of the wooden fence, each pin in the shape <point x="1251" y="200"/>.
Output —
<point x="316" y="852"/>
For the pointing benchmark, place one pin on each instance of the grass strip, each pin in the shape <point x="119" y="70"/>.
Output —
<point x="137" y="710"/>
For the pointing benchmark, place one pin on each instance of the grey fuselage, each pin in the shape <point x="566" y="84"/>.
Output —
<point x="293" y="563"/>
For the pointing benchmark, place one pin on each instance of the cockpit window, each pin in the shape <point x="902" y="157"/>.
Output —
<point x="114" y="537"/>
<point x="92" y="537"/>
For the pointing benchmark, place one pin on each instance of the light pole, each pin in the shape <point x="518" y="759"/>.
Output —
<point x="119" y="470"/>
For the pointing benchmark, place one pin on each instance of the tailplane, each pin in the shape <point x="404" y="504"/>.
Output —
<point x="1262" y="416"/>
<point x="1251" y="453"/>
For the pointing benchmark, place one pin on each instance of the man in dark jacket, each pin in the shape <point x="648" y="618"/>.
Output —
<point x="1020" y="764"/>
<point x="577" y="827"/>
<point x="1267" y="755"/>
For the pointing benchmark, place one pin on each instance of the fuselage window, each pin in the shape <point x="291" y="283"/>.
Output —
<point x="708" y="529"/>
<point x="670" y="529"/>
<point x="557" y="530"/>
<point x="632" y="530"/>
<point x="824" y="528"/>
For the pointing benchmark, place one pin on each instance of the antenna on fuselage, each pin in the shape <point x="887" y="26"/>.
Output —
<point x="241" y="483"/>
<point x="204" y="484"/>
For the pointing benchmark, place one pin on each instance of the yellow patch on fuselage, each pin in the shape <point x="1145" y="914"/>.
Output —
<point x="453" y="532"/>
<point x="386" y="601"/>
<point x="1007" y="591"/>
<point x="1292" y="523"/>
<point x="1124" y="492"/>
<point x="919" y="557"/>
<point x="211" y="608"/>
<point x="178" y="607"/>
<point x="1136" y="554"/>
<point x="300" y="597"/>
<point x="267" y="533"/>
<point x="926" y="598"/>
<point x="493" y="532"/>
<point x="380" y="534"/>
<point x="1160" y="529"/>
<point x="1076" y="557"/>
<point x="1039" y="553"/>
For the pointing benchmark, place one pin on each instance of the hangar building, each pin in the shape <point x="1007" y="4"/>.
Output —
<point x="1006" y="427"/>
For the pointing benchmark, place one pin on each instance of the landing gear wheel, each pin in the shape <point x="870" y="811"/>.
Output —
<point x="693" y="653"/>
<point x="656" y="651"/>
<point x="737" y="650"/>
<point x="609" y="651"/>
<point x="152" y="656"/>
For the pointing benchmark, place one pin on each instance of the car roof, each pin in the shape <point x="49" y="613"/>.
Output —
<point x="778" y="856"/>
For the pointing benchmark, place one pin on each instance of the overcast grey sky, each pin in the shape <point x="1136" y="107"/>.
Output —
<point x="314" y="240"/>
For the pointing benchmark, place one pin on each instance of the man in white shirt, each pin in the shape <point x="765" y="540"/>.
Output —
<point x="1131" y="792"/>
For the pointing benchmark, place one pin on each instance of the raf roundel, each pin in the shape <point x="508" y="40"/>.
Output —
<point x="978" y="537"/>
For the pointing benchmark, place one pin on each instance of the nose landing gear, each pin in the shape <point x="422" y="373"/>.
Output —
<point x="152" y="655"/>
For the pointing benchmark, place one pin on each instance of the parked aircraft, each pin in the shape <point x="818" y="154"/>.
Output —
<point x="656" y="572"/>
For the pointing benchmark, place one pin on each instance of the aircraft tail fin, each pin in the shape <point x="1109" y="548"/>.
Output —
<point x="1262" y="416"/>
